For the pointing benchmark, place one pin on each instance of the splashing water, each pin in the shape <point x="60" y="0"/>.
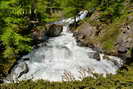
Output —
<point x="62" y="59"/>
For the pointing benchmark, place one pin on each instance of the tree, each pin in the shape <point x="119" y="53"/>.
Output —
<point x="16" y="18"/>
<point x="12" y="25"/>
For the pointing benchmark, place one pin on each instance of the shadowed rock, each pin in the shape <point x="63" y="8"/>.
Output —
<point x="54" y="30"/>
<point x="94" y="55"/>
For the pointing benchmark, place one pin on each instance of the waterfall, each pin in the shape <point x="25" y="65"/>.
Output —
<point x="62" y="59"/>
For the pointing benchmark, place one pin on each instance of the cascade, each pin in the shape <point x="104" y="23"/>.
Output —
<point x="62" y="59"/>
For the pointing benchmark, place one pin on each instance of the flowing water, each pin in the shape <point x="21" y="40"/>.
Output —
<point x="62" y="59"/>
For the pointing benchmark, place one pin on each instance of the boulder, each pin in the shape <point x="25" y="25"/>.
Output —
<point x="42" y="33"/>
<point x="54" y="30"/>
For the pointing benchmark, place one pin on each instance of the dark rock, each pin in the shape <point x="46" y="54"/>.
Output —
<point x="96" y="56"/>
<point x="124" y="67"/>
<point x="82" y="43"/>
<point x="1" y="81"/>
<point x="25" y="59"/>
<point x="122" y="49"/>
<point x="54" y="30"/>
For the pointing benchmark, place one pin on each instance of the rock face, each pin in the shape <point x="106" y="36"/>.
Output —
<point x="125" y="39"/>
<point x="85" y="35"/>
<point x="88" y="34"/>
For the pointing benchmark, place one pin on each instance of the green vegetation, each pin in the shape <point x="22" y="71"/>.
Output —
<point x="19" y="17"/>
<point x="108" y="16"/>
<point x="16" y="17"/>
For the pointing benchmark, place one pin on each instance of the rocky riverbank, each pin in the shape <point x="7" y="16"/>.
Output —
<point x="111" y="38"/>
<point x="44" y="32"/>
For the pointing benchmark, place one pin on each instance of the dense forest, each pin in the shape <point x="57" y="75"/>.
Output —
<point x="18" y="18"/>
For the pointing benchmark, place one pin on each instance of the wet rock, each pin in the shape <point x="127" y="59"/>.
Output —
<point x="54" y="30"/>
<point x="124" y="67"/>
<point x="94" y="55"/>
<point x="97" y="56"/>
<point x="23" y="68"/>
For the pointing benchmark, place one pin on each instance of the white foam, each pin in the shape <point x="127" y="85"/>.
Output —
<point x="62" y="55"/>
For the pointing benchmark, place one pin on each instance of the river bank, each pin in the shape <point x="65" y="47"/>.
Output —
<point x="113" y="39"/>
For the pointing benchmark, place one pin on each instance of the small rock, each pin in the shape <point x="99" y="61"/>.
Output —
<point x="122" y="49"/>
<point x="96" y="56"/>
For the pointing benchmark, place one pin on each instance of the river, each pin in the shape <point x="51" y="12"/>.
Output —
<point x="61" y="59"/>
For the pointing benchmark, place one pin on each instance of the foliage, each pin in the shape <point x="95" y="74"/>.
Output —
<point x="11" y="37"/>
<point x="15" y="35"/>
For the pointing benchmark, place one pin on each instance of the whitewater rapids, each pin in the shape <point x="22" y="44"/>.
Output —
<point x="61" y="59"/>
